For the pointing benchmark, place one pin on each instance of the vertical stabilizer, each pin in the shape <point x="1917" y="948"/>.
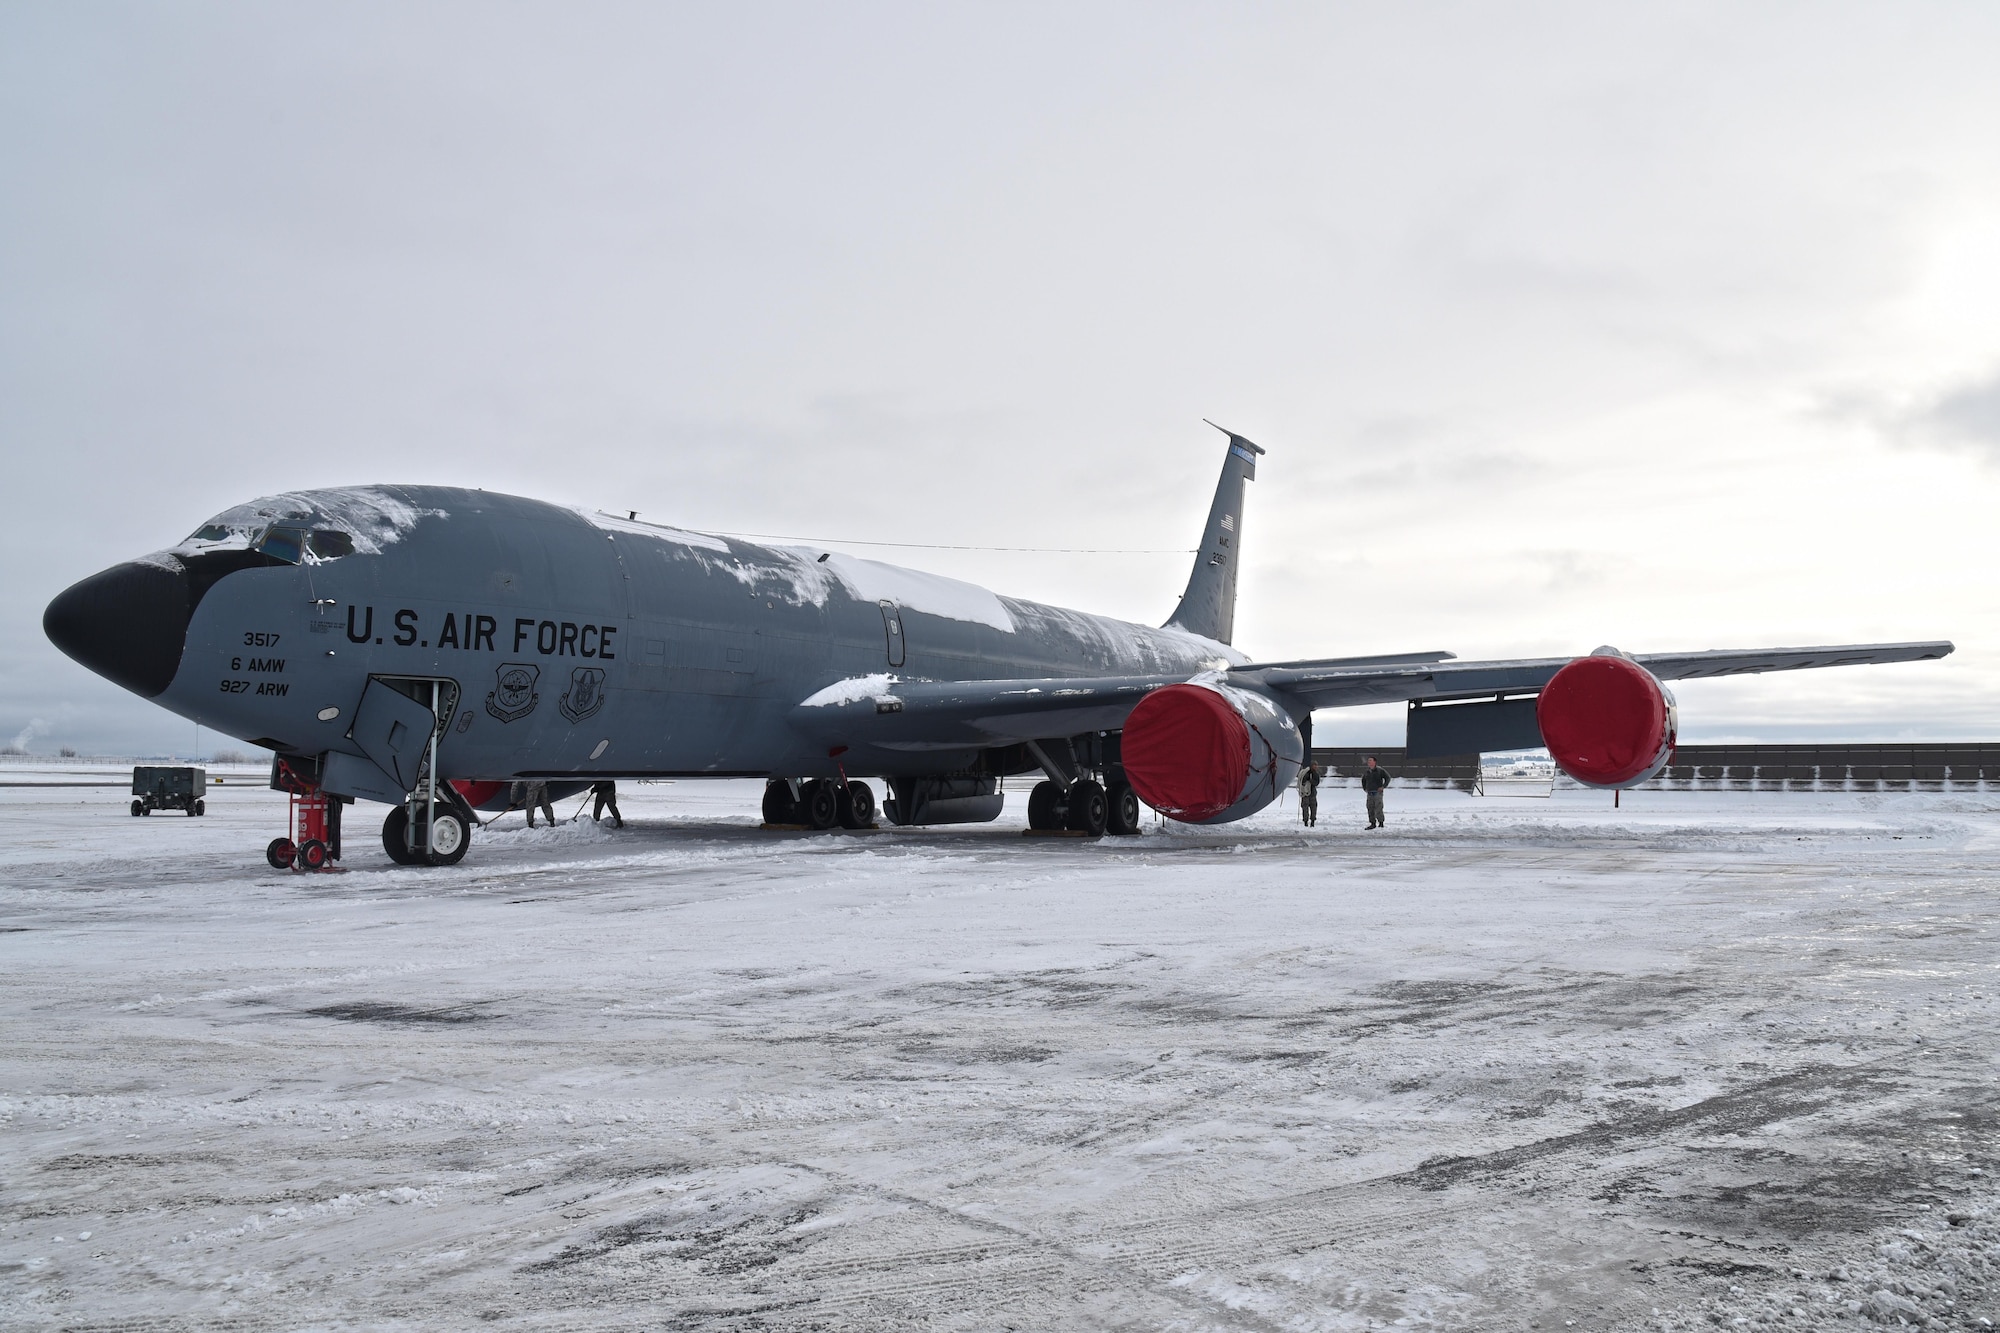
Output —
<point x="1208" y="607"/>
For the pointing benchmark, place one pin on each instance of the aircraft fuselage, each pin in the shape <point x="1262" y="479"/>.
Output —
<point x="579" y="644"/>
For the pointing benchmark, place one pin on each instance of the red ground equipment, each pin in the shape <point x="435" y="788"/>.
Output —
<point x="314" y="841"/>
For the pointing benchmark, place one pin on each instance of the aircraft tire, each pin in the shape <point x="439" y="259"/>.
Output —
<point x="450" y="839"/>
<point x="1045" y="807"/>
<point x="279" y="853"/>
<point x="857" y="805"/>
<point x="1122" y="808"/>
<point x="819" y="806"/>
<point x="1086" y="810"/>
<point x="394" y="832"/>
<point x="779" y="807"/>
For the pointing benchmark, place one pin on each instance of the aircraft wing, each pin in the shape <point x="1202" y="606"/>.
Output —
<point x="1330" y="685"/>
<point x="926" y="714"/>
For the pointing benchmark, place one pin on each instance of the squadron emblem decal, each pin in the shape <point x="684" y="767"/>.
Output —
<point x="513" y="695"/>
<point x="585" y="694"/>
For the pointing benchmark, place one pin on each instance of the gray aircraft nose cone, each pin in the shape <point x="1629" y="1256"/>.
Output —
<point x="128" y="624"/>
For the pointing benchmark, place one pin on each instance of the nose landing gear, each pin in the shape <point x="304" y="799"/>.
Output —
<point x="445" y="843"/>
<point x="433" y="826"/>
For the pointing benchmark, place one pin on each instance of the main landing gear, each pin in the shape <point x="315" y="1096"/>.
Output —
<point x="1086" y="791"/>
<point x="820" y="803"/>
<point x="1087" y="808"/>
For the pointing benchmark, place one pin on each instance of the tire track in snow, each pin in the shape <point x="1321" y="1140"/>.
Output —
<point x="1376" y="1209"/>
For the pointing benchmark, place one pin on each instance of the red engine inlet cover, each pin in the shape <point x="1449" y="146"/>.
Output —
<point x="1604" y="720"/>
<point x="1186" y="752"/>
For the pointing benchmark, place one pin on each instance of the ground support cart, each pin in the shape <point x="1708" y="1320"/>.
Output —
<point x="313" y="842"/>
<point x="169" y="789"/>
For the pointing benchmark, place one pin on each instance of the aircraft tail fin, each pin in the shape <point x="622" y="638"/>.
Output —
<point x="1208" y="607"/>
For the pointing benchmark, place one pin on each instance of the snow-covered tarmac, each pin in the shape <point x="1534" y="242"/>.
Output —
<point x="1711" y="1058"/>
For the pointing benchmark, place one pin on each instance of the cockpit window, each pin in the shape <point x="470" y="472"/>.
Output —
<point x="330" y="543"/>
<point x="210" y="532"/>
<point x="286" y="544"/>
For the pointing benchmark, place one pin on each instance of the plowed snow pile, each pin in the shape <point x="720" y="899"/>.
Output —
<point x="1711" y="1059"/>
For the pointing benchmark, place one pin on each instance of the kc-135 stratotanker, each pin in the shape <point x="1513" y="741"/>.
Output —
<point x="425" y="647"/>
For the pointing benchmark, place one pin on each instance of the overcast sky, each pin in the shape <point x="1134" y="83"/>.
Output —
<point x="1668" y="327"/>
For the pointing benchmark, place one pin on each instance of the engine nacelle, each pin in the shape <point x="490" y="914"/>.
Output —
<point x="1207" y="754"/>
<point x="1607" y="721"/>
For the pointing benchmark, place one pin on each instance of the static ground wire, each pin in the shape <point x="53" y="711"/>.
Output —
<point x="940" y="546"/>
<point x="632" y="516"/>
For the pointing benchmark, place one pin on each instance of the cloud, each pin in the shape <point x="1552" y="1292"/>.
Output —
<point x="1565" y="571"/>
<point x="1962" y="416"/>
<point x="1968" y="414"/>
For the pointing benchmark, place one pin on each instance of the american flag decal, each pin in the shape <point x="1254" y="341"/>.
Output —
<point x="1229" y="522"/>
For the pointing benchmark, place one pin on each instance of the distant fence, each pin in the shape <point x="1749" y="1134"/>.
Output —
<point x="1860" y="768"/>
<point x="1344" y="767"/>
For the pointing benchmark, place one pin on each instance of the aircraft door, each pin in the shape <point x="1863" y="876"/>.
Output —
<point x="892" y="625"/>
<point x="393" y="729"/>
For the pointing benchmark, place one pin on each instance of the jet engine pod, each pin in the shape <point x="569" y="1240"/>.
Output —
<point x="1606" y="720"/>
<point x="1207" y="755"/>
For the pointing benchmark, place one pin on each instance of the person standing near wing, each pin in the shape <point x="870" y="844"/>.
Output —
<point x="1373" y="780"/>
<point x="1309" y="794"/>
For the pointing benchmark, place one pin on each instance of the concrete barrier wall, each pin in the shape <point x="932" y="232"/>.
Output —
<point x="1945" y="766"/>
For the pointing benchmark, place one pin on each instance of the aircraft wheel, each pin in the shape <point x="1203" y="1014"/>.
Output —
<point x="394" y="832"/>
<point x="450" y="839"/>
<point x="200" y="807"/>
<point x="279" y="853"/>
<point x="1045" y="806"/>
<point x="779" y="807"/>
<point x="819" y="806"/>
<point x="138" y="808"/>
<point x="857" y="805"/>
<point x="311" y="855"/>
<point x="1123" y="816"/>
<point x="1086" y="810"/>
